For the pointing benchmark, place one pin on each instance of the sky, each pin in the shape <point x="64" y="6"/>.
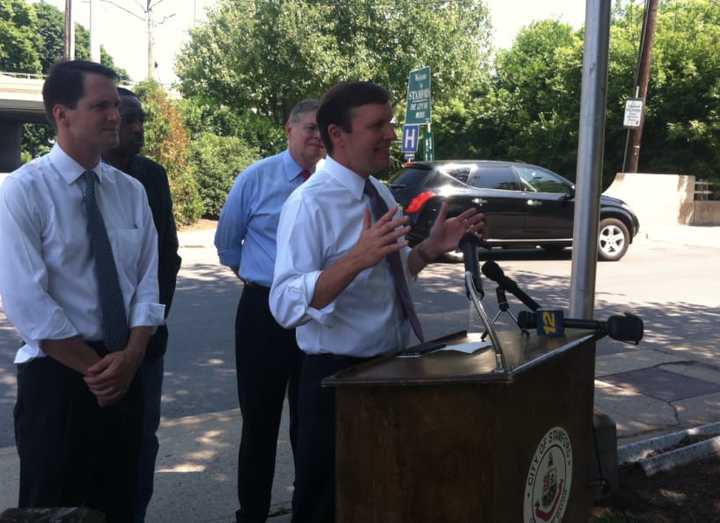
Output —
<point x="125" y="36"/>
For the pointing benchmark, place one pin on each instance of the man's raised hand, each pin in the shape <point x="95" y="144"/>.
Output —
<point x="380" y="238"/>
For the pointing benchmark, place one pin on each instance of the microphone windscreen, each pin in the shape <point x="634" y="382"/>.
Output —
<point x="493" y="271"/>
<point x="526" y="320"/>
<point x="625" y="328"/>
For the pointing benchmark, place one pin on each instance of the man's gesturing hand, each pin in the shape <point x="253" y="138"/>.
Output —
<point x="446" y="233"/>
<point x="380" y="238"/>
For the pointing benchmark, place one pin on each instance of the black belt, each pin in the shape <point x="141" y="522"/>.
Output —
<point x="252" y="285"/>
<point x="329" y="356"/>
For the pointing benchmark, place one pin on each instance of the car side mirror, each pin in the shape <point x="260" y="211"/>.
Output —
<point x="570" y="194"/>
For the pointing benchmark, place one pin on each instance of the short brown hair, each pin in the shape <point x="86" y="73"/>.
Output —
<point x="65" y="83"/>
<point x="337" y="105"/>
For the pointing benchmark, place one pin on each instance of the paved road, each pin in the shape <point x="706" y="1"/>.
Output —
<point x="674" y="288"/>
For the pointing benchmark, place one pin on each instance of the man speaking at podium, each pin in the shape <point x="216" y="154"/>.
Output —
<point x="342" y="273"/>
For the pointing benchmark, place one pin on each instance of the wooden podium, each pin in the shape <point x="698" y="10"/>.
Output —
<point x="445" y="437"/>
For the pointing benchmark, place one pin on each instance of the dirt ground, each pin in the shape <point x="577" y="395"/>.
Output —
<point x="688" y="494"/>
<point x="199" y="225"/>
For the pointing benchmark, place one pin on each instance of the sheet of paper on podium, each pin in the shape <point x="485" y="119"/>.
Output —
<point x="466" y="348"/>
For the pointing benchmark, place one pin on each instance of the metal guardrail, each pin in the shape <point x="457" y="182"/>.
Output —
<point x="706" y="190"/>
<point x="23" y="76"/>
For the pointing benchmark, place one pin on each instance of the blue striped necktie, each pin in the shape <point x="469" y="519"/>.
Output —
<point x="379" y="208"/>
<point x="114" y="320"/>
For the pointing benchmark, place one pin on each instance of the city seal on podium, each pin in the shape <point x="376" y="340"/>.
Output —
<point x="549" y="479"/>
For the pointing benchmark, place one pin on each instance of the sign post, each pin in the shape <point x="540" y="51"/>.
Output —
<point x="633" y="113"/>
<point x="419" y="106"/>
<point x="410" y="140"/>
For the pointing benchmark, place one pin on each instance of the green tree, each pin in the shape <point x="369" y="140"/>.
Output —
<point x="51" y="28"/>
<point x="537" y="90"/>
<point x="168" y="143"/>
<point x="216" y="161"/>
<point x="19" y="40"/>
<point x="46" y="23"/>
<point x="682" y="124"/>
<point x="258" y="132"/>
<point x="530" y="109"/>
<point x="259" y="57"/>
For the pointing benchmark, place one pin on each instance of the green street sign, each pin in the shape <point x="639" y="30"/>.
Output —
<point x="418" y="97"/>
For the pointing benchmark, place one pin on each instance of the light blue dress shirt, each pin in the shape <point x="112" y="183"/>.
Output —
<point x="320" y="223"/>
<point x="246" y="232"/>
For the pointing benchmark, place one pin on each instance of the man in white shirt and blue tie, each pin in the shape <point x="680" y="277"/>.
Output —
<point x="342" y="273"/>
<point x="78" y="280"/>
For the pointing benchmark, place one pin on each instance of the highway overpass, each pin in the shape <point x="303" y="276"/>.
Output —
<point x="20" y="102"/>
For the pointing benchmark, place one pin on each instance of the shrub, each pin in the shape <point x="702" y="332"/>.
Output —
<point x="216" y="161"/>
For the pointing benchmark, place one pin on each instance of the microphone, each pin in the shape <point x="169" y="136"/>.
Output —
<point x="469" y="246"/>
<point x="622" y="328"/>
<point x="493" y="271"/>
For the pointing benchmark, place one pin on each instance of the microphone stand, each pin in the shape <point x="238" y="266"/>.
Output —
<point x="503" y="307"/>
<point x="474" y="297"/>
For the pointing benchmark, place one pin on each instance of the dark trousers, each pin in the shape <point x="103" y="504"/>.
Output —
<point x="314" y="496"/>
<point x="268" y="362"/>
<point x="73" y="452"/>
<point x="150" y="375"/>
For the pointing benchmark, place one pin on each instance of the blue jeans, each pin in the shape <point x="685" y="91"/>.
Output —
<point x="150" y="375"/>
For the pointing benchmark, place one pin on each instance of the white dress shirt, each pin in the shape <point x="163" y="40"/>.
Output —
<point x="320" y="222"/>
<point x="47" y="275"/>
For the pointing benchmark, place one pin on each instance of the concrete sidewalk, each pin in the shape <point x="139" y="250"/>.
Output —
<point x="647" y="391"/>
<point x="701" y="235"/>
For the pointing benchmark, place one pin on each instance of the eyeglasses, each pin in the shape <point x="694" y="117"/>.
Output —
<point x="311" y="128"/>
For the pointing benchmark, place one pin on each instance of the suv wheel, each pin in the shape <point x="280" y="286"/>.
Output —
<point x="613" y="239"/>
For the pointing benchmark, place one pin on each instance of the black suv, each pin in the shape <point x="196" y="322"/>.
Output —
<point x="524" y="205"/>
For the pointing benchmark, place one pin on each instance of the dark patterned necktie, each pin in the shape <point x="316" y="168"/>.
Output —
<point x="305" y="174"/>
<point x="114" y="320"/>
<point x="379" y="208"/>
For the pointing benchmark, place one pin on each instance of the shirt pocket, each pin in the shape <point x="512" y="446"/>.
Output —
<point x="126" y="246"/>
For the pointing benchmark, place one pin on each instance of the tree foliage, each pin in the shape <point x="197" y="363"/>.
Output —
<point x="216" y="161"/>
<point x="168" y="143"/>
<point x="19" y="41"/>
<point x="529" y="110"/>
<point x="51" y="28"/>
<point x="256" y="131"/>
<point x="31" y="40"/>
<point x="682" y="125"/>
<point x="257" y="58"/>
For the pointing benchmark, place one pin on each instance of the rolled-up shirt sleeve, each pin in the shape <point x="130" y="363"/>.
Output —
<point x="298" y="265"/>
<point x="23" y="273"/>
<point x="145" y="307"/>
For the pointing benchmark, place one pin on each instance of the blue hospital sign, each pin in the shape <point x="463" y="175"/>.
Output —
<point x="410" y="139"/>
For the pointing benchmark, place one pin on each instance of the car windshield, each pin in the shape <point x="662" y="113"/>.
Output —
<point x="535" y="179"/>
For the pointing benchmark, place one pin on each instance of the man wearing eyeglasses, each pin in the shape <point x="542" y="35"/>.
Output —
<point x="267" y="358"/>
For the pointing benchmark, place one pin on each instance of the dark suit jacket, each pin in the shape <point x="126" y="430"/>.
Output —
<point x="153" y="177"/>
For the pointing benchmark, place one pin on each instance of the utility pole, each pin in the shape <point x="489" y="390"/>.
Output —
<point x="147" y="7"/>
<point x="150" y="43"/>
<point x="69" y="31"/>
<point x="632" y="154"/>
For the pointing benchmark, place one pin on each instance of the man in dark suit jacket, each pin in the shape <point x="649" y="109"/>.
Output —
<point x="153" y="177"/>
